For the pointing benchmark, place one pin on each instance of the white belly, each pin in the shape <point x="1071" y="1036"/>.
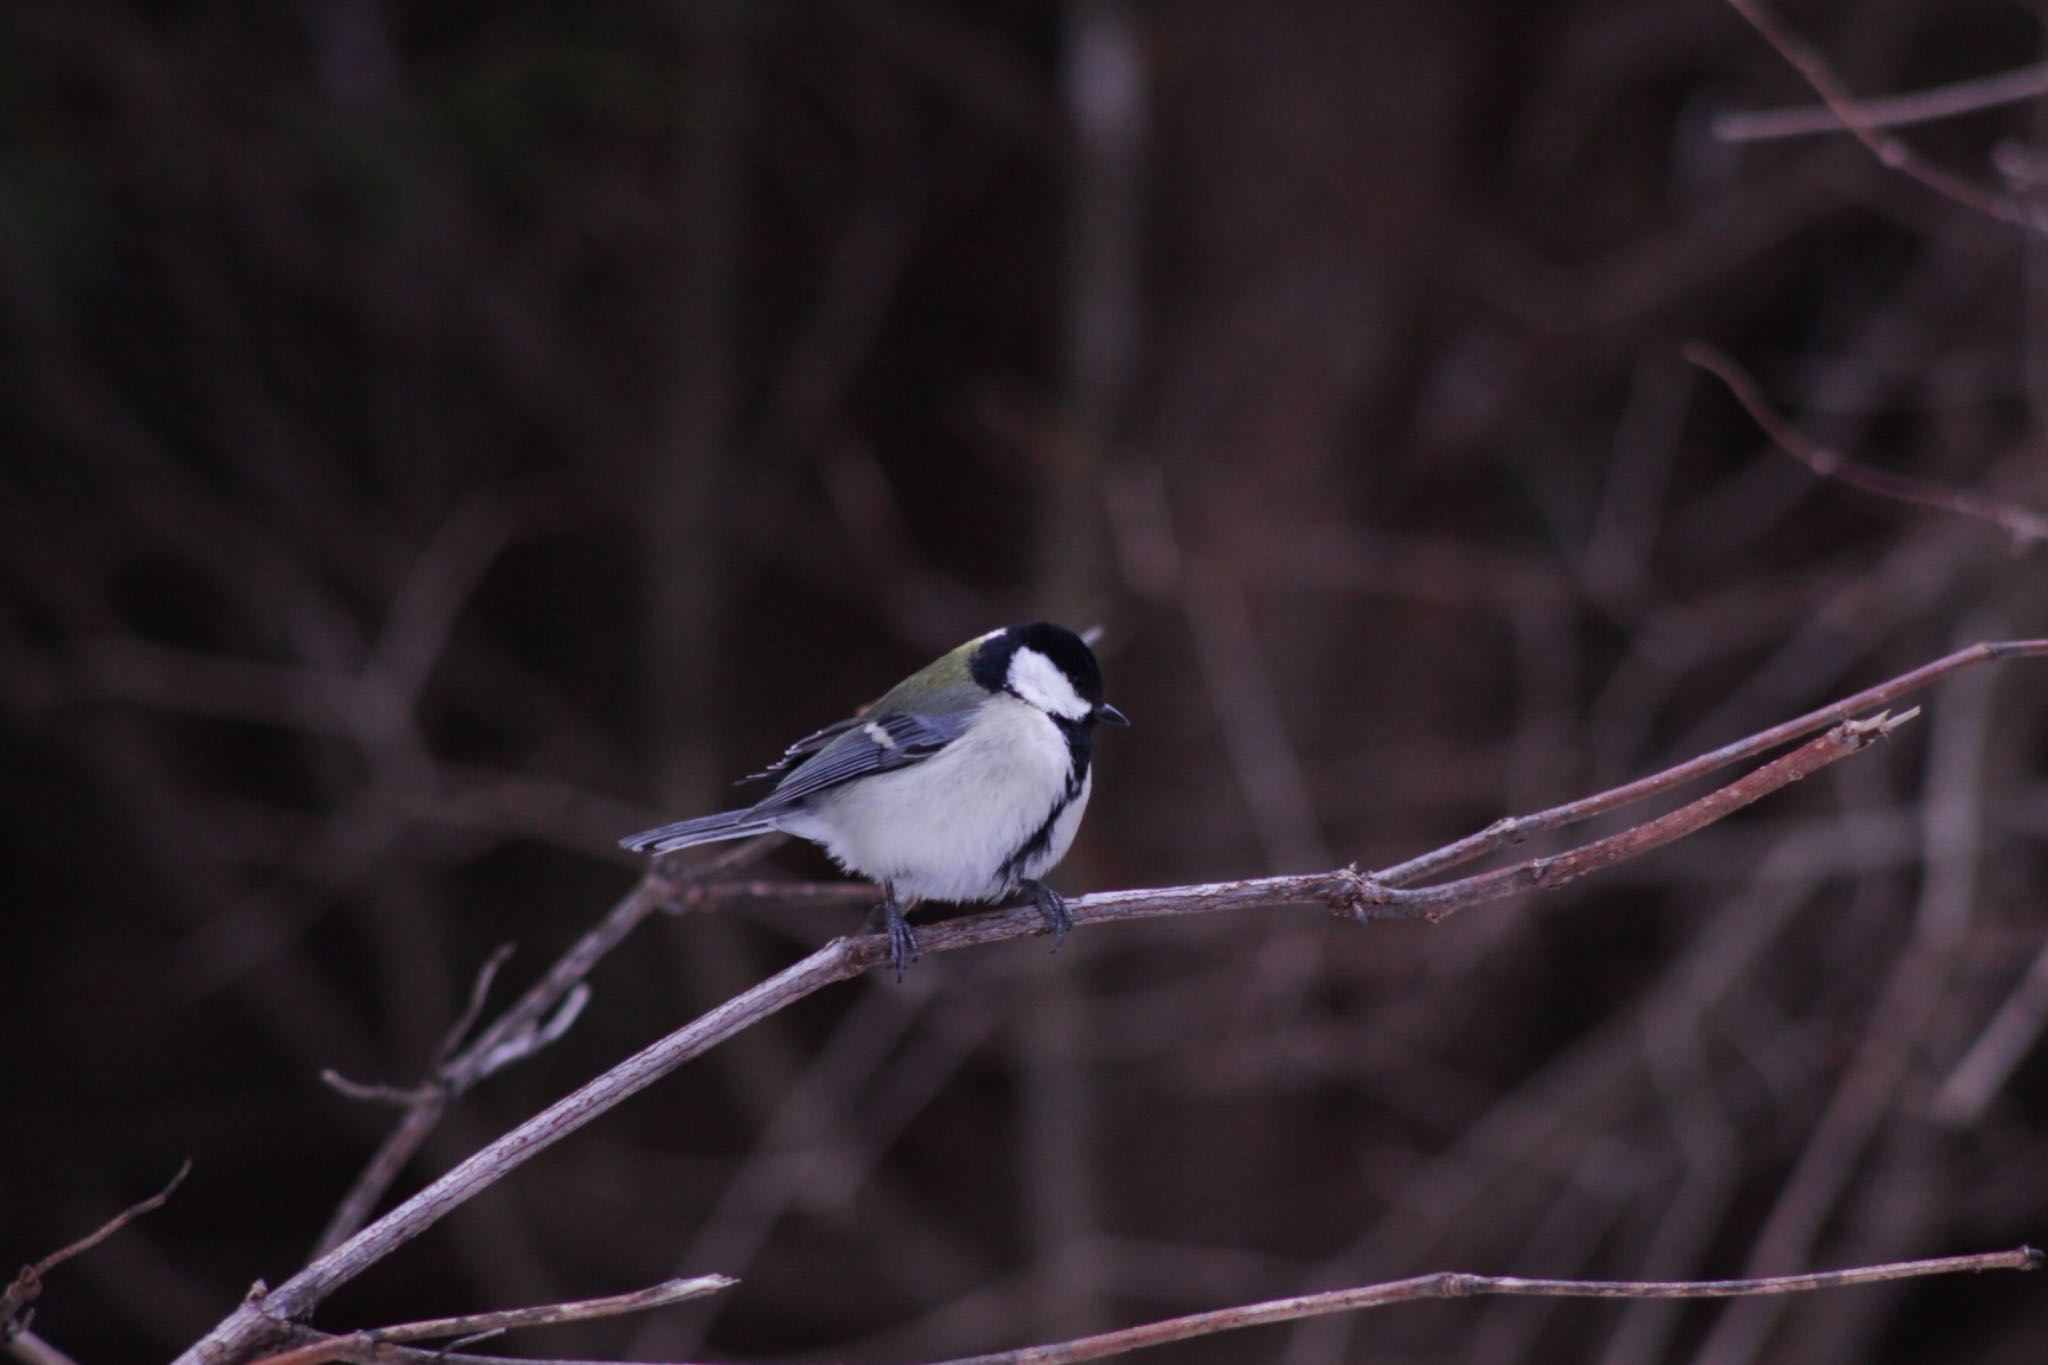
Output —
<point x="944" y="829"/>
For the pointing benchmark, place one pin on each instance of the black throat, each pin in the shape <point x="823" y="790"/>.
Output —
<point x="1080" y="737"/>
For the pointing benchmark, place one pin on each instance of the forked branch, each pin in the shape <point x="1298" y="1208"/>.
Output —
<point x="1815" y="70"/>
<point x="267" y="1319"/>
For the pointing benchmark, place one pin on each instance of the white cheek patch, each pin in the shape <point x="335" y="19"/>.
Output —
<point x="1038" y="680"/>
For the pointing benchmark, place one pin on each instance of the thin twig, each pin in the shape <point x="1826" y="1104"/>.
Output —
<point x="403" y="1096"/>
<point x="353" y="1350"/>
<point x="2005" y="1041"/>
<point x="479" y="992"/>
<point x="1807" y="61"/>
<point x="1890" y="111"/>
<point x="1250" y="717"/>
<point x="1517" y="828"/>
<point x="1851" y="736"/>
<point x="265" y="1318"/>
<point x="475" y="1326"/>
<point x="537" y="1018"/>
<point x="29" y="1283"/>
<point x="1452" y="1285"/>
<point x="1866" y="1083"/>
<point x="2026" y="527"/>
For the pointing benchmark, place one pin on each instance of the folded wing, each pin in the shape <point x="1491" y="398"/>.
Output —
<point x="860" y="748"/>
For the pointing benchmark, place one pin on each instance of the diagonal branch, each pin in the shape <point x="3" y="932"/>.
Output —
<point x="1808" y="62"/>
<point x="27" y="1285"/>
<point x="266" y="1318"/>
<point x="474" y="1327"/>
<point x="1516" y="828"/>
<point x="1891" y="111"/>
<point x="1435" y="902"/>
<point x="537" y="1018"/>
<point x="2024" y="525"/>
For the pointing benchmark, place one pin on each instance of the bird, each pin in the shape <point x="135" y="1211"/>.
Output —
<point x="963" y="783"/>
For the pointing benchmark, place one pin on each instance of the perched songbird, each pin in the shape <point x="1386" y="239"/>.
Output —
<point x="964" y="782"/>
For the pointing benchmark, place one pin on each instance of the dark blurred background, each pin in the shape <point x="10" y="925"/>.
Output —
<point x="441" y="439"/>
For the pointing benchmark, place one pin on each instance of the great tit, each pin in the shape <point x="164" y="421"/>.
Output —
<point x="964" y="782"/>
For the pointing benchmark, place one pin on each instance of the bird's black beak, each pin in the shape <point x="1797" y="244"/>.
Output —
<point x="1109" y="715"/>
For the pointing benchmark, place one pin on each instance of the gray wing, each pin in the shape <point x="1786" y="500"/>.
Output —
<point x="863" y="746"/>
<point x="804" y="748"/>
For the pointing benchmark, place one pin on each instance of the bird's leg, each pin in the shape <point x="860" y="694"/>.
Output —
<point x="902" y="938"/>
<point x="1052" y="907"/>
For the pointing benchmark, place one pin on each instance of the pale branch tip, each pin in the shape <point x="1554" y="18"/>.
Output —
<point x="473" y="1010"/>
<point x="661" y="1295"/>
<point x="533" y="1037"/>
<point x="369" y="1092"/>
<point x="28" y="1284"/>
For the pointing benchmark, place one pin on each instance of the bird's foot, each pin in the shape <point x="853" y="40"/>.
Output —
<point x="902" y="938"/>
<point x="1053" y="907"/>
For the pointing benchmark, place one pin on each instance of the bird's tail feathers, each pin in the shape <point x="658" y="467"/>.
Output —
<point x="705" y="829"/>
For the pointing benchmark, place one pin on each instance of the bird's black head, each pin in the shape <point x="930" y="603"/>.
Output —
<point x="1048" y="666"/>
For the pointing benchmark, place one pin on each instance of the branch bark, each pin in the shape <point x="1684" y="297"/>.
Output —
<point x="1452" y="1285"/>
<point x="2025" y="526"/>
<point x="268" y="1316"/>
<point x="473" y="1327"/>
<point x="528" y="1024"/>
<point x="26" y="1286"/>
<point x="1808" y="62"/>
<point x="1890" y="111"/>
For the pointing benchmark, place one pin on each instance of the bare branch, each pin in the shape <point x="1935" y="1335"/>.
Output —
<point x="473" y="1327"/>
<point x="525" y="1043"/>
<point x="2025" y="526"/>
<point x="1452" y="1285"/>
<point x="1890" y="111"/>
<point x="1516" y="828"/>
<point x="536" y="1019"/>
<point x="402" y="1096"/>
<point x="519" y="1045"/>
<point x="1808" y="62"/>
<point x="29" y="1283"/>
<point x="1436" y="902"/>
<point x="479" y="991"/>
<point x="450" y="1041"/>
<point x="264" y="1318"/>
<point x="2007" y="1039"/>
<point x="1866" y="1081"/>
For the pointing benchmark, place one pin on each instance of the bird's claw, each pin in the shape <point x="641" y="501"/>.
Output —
<point x="902" y="938"/>
<point x="1053" y="907"/>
